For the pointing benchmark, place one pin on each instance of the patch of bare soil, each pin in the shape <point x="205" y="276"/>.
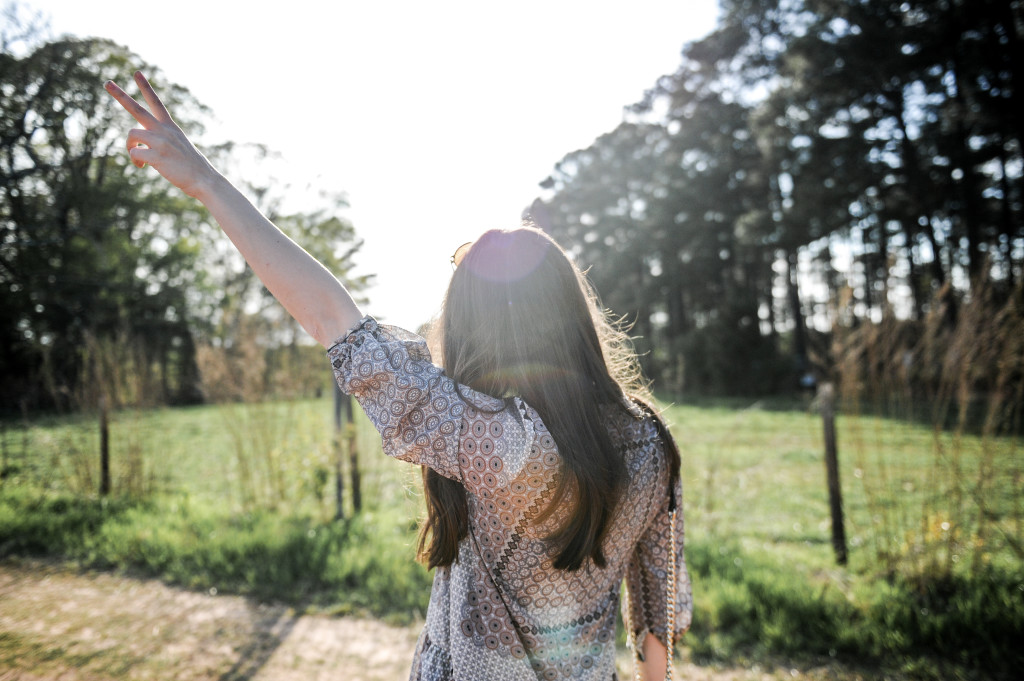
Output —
<point x="58" y="624"/>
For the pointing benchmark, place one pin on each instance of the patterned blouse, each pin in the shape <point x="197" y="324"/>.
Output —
<point x="501" y="611"/>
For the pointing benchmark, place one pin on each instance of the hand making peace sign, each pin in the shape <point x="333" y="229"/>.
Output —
<point x="307" y="290"/>
<point x="161" y="143"/>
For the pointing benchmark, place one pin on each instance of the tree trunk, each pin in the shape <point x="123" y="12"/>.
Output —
<point x="938" y="271"/>
<point x="913" y="279"/>
<point x="970" y="213"/>
<point x="1006" y="226"/>
<point x="911" y="222"/>
<point x="1015" y="56"/>
<point x="796" y="312"/>
<point x="869" y="275"/>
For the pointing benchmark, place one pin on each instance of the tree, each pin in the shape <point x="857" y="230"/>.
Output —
<point x="95" y="253"/>
<point x="82" y="252"/>
<point x="799" y="133"/>
<point x="901" y="112"/>
<point x="671" y="216"/>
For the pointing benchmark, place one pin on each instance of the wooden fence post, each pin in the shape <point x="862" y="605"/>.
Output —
<point x="3" y="451"/>
<point x="104" y="449"/>
<point x="353" y="456"/>
<point x="339" y="478"/>
<point x="827" y="403"/>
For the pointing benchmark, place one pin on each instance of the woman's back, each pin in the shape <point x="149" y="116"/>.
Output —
<point x="501" y="610"/>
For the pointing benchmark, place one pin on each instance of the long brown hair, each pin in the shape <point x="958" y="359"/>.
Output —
<point x="520" y="319"/>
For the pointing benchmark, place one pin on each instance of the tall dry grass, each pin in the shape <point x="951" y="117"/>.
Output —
<point x="115" y="376"/>
<point x="960" y="370"/>
<point x="257" y="382"/>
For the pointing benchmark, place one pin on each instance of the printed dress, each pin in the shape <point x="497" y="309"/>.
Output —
<point x="501" y="611"/>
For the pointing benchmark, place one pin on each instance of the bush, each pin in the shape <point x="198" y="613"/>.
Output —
<point x="752" y="605"/>
<point x="359" y="565"/>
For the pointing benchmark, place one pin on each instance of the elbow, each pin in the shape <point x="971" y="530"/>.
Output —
<point x="328" y="319"/>
<point x="326" y="331"/>
<point x="319" y="333"/>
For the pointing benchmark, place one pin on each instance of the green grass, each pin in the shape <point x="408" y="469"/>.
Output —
<point x="239" y="499"/>
<point x="933" y="525"/>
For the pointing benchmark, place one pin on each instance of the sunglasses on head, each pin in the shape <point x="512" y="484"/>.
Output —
<point x="459" y="254"/>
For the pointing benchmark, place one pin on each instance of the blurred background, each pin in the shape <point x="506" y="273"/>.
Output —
<point x="809" y="213"/>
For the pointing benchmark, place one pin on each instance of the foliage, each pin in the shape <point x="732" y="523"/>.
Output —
<point x="95" y="253"/>
<point x="81" y="255"/>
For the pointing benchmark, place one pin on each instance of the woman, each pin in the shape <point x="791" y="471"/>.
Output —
<point x="548" y="478"/>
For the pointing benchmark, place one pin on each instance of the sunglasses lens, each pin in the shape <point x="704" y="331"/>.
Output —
<point x="460" y="253"/>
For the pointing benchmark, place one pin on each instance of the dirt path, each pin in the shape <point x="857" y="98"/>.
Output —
<point x="56" y="624"/>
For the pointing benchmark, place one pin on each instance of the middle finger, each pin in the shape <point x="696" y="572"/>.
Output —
<point x="156" y="105"/>
<point x="137" y="111"/>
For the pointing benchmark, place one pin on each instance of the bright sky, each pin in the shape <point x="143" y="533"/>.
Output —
<point x="437" y="119"/>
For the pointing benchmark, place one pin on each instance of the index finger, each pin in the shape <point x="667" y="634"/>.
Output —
<point x="137" y="111"/>
<point x="154" y="101"/>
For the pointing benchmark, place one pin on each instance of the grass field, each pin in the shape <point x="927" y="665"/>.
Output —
<point x="239" y="498"/>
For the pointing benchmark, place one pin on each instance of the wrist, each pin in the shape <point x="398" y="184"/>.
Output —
<point x="207" y="185"/>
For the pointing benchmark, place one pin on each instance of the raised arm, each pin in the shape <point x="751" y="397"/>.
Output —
<point x="308" y="291"/>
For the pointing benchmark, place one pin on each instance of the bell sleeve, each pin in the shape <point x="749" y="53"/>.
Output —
<point x="414" y="406"/>
<point x="647" y="577"/>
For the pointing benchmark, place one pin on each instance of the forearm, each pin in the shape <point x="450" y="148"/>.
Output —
<point x="655" y="659"/>
<point x="311" y="294"/>
<point x="306" y="289"/>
